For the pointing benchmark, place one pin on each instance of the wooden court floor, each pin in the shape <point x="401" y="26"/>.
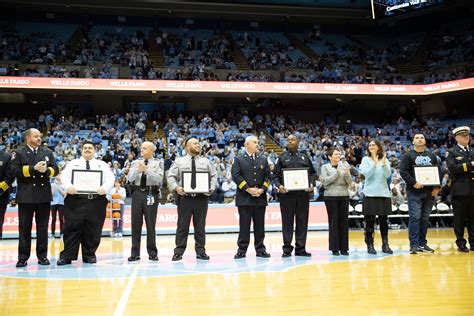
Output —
<point x="401" y="284"/>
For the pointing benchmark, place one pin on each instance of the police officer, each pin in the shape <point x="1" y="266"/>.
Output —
<point x="251" y="173"/>
<point x="294" y="204"/>
<point x="191" y="205"/>
<point x="145" y="175"/>
<point x="460" y="161"/>
<point x="84" y="213"/>
<point x="33" y="165"/>
<point x="6" y="180"/>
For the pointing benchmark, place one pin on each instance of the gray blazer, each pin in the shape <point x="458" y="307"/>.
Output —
<point x="334" y="182"/>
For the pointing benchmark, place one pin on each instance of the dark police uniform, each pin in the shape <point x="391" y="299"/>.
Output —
<point x="6" y="180"/>
<point x="145" y="198"/>
<point x="462" y="190"/>
<point x="33" y="197"/>
<point x="247" y="173"/>
<point x="294" y="203"/>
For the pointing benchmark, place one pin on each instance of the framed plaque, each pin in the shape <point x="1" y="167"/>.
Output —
<point x="203" y="182"/>
<point x="296" y="179"/>
<point x="86" y="181"/>
<point x="427" y="175"/>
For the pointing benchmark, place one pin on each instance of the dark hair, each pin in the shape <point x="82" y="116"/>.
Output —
<point x="87" y="142"/>
<point x="331" y="151"/>
<point x="380" y="149"/>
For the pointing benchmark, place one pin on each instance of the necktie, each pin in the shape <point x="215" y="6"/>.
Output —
<point x="143" y="178"/>
<point x="193" y="173"/>
<point x="35" y="151"/>
<point x="88" y="166"/>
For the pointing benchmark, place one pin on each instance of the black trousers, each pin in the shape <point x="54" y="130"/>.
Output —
<point x="195" y="207"/>
<point x="370" y="224"/>
<point x="3" y="210"/>
<point x="57" y="209"/>
<point x="41" y="213"/>
<point x="291" y="208"/>
<point x="463" y="209"/>
<point x="338" y="216"/>
<point x="83" y="223"/>
<point x="247" y="214"/>
<point x="140" y="209"/>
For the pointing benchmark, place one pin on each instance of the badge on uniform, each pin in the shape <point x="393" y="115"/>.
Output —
<point x="150" y="200"/>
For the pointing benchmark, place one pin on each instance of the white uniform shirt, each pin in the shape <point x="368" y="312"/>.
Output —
<point x="108" y="177"/>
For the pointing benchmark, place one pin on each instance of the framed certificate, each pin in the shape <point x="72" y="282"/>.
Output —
<point x="296" y="179"/>
<point x="427" y="175"/>
<point x="203" y="182"/>
<point x="86" y="181"/>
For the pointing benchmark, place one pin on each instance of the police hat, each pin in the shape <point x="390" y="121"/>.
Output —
<point x="461" y="130"/>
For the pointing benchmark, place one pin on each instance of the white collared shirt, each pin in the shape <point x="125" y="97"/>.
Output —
<point x="108" y="177"/>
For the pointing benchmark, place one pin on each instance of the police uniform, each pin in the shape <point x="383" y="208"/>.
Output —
<point x="294" y="203"/>
<point x="459" y="162"/>
<point x="249" y="172"/>
<point x="84" y="214"/>
<point x="6" y="180"/>
<point x="33" y="197"/>
<point x="190" y="205"/>
<point x="145" y="198"/>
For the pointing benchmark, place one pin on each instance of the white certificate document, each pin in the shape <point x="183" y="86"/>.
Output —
<point x="202" y="182"/>
<point x="86" y="181"/>
<point x="427" y="175"/>
<point x="296" y="179"/>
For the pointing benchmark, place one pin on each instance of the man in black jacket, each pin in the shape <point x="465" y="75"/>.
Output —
<point x="33" y="165"/>
<point x="460" y="161"/>
<point x="420" y="197"/>
<point x="6" y="180"/>
<point x="252" y="175"/>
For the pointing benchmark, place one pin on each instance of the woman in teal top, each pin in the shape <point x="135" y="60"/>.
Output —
<point x="376" y="169"/>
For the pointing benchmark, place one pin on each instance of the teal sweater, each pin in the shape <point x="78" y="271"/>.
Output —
<point x="375" y="184"/>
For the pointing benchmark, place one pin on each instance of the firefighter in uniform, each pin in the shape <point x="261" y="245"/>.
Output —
<point x="460" y="161"/>
<point x="251" y="173"/>
<point x="33" y="165"/>
<point x="6" y="180"/>
<point x="191" y="205"/>
<point x="84" y="213"/>
<point x="145" y="175"/>
<point x="294" y="204"/>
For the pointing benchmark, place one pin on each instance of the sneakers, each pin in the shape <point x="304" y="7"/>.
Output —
<point x="413" y="250"/>
<point x="425" y="248"/>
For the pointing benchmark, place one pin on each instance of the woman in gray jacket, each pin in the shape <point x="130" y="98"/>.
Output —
<point x="336" y="179"/>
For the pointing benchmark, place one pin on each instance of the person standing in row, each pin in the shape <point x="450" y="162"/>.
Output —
<point x="33" y="165"/>
<point x="377" y="198"/>
<point x="57" y="205"/>
<point x="191" y="205"/>
<point x="252" y="175"/>
<point x="336" y="178"/>
<point x="6" y="180"/>
<point x="420" y="197"/>
<point x="146" y="176"/>
<point x="84" y="214"/>
<point x="294" y="204"/>
<point x="460" y="161"/>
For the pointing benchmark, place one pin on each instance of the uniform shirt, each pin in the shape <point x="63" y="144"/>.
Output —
<point x="293" y="160"/>
<point x="80" y="164"/>
<point x="184" y="164"/>
<point x="461" y="170"/>
<point x="154" y="173"/>
<point x="376" y="176"/>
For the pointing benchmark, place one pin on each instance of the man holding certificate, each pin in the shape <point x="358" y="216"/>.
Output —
<point x="294" y="177"/>
<point x="460" y="161"/>
<point x="87" y="180"/>
<point x="192" y="178"/>
<point x="252" y="175"/>
<point x="419" y="168"/>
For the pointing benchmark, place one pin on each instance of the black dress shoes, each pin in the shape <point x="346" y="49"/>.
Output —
<point x="263" y="254"/>
<point x="344" y="252"/>
<point x="202" y="256"/>
<point x="21" y="263"/>
<point x="63" y="262"/>
<point x="91" y="260"/>
<point x="239" y="255"/>
<point x="335" y="253"/>
<point x="176" y="257"/>
<point x="133" y="258"/>
<point x="463" y="249"/>
<point x="286" y="254"/>
<point x="303" y="254"/>
<point x="152" y="258"/>
<point x="44" y="262"/>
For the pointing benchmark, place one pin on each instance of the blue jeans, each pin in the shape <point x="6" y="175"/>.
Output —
<point x="419" y="209"/>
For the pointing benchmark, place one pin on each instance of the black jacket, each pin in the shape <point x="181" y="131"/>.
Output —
<point x="6" y="177"/>
<point x="33" y="186"/>
<point x="412" y="159"/>
<point x="248" y="173"/>
<point x="288" y="160"/>
<point x="461" y="171"/>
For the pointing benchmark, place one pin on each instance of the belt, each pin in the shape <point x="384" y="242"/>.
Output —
<point x="89" y="196"/>
<point x="195" y="195"/>
<point x="147" y="188"/>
